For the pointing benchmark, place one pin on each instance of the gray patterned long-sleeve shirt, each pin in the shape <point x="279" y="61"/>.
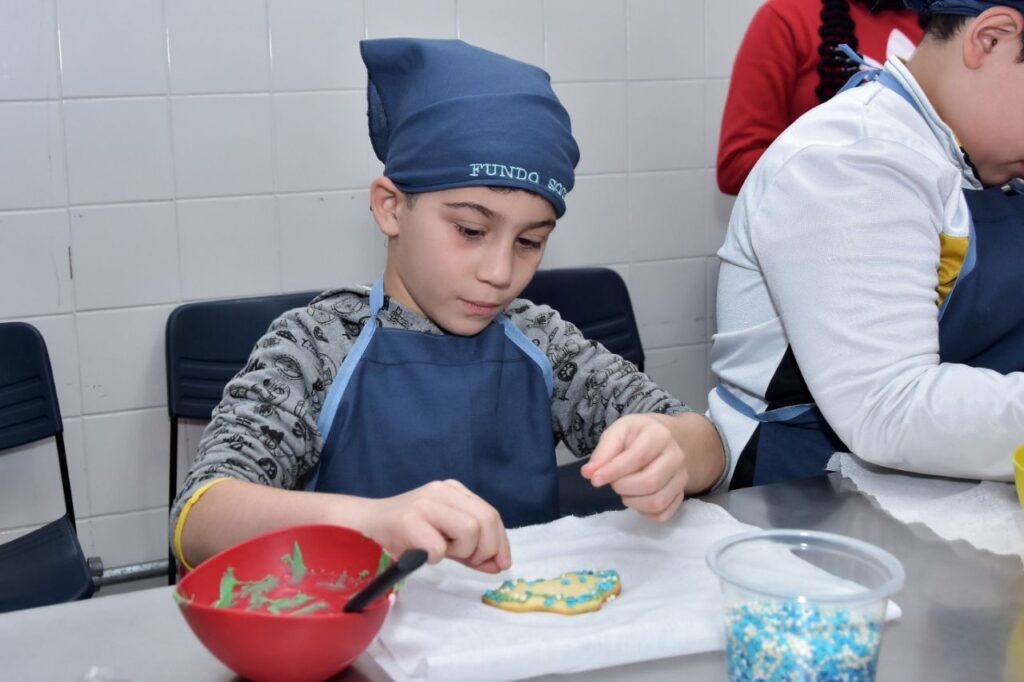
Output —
<point x="265" y="428"/>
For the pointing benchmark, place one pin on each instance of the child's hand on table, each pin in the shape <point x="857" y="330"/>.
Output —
<point x="641" y="459"/>
<point x="447" y="520"/>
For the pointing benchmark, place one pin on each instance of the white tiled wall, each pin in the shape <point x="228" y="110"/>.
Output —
<point x="159" y="151"/>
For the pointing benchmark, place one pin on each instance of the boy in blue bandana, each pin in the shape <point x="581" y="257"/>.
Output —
<point x="424" y="410"/>
<point x="869" y="296"/>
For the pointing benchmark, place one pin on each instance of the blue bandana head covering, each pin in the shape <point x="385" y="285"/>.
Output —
<point x="968" y="8"/>
<point x="445" y="114"/>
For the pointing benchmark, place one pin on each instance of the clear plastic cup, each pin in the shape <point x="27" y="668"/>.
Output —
<point x="803" y="605"/>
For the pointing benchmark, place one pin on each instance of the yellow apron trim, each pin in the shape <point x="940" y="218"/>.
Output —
<point x="951" y="261"/>
<point x="180" y="526"/>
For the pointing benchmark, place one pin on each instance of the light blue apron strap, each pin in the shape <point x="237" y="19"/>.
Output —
<point x="852" y="55"/>
<point x="889" y="81"/>
<point x="348" y="367"/>
<point x="779" y="414"/>
<point x="376" y="297"/>
<point x="883" y="77"/>
<point x="855" y="80"/>
<point x="516" y="336"/>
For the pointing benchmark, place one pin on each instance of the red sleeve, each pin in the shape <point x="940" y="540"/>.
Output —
<point x="758" y="103"/>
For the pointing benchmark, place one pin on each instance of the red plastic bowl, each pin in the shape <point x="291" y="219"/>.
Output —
<point x="288" y="648"/>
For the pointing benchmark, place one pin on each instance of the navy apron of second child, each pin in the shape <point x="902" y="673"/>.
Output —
<point x="981" y="324"/>
<point x="409" y="407"/>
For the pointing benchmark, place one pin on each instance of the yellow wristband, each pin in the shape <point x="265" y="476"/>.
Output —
<point x="180" y="526"/>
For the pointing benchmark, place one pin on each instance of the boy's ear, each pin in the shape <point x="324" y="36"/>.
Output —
<point x="386" y="203"/>
<point x="995" y="28"/>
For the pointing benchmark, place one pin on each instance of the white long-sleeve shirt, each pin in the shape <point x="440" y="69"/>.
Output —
<point x="833" y="249"/>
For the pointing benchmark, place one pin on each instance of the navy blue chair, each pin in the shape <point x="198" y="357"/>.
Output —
<point x="208" y="343"/>
<point x="47" y="565"/>
<point x="597" y="301"/>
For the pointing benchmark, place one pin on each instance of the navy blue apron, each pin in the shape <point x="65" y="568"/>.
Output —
<point x="410" y="407"/>
<point x="981" y="324"/>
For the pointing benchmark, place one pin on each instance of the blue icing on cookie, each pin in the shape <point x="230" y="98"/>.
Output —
<point x="548" y="593"/>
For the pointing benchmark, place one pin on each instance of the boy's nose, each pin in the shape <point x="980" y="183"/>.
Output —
<point x="495" y="267"/>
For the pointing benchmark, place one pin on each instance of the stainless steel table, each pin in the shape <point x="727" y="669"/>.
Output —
<point x="960" y="605"/>
<point x="960" y="608"/>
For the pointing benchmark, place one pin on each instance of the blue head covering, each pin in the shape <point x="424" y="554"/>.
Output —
<point x="968" y="8"/>
<point x="445" y="114"/>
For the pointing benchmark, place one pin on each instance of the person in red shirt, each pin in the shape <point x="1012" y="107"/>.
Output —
<point x="788" y="63"/>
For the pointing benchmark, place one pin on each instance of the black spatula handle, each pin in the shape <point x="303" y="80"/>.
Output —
<point x="410" y="560"/>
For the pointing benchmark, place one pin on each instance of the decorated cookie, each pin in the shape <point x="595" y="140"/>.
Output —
<point x="568" y="594"/>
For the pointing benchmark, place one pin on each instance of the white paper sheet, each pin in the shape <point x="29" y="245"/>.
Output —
<point x="671" y="603"/>
<point x="986" y="514"/>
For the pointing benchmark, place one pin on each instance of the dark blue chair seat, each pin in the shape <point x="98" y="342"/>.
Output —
<point x="45" y="566"/>
<point x="597" y="301"/>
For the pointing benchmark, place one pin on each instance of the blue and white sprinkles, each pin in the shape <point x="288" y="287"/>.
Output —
<point x="570" y="593"/>
<point x="770" y="641"/>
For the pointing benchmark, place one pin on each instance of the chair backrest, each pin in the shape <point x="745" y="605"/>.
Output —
<point x="28" y="399"/>
<point x="29" y="410"/>
<point x="208" y="342"/>
<point x="597" y="301"/>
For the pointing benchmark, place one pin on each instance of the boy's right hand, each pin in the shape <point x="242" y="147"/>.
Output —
<point x="447" y="520"/>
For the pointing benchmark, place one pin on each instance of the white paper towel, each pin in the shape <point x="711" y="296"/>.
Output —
<point x="986" y="514"/>
<point x="671" y="603"/>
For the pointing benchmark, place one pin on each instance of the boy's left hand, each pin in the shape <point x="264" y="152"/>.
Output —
<point x="639" y="456"/>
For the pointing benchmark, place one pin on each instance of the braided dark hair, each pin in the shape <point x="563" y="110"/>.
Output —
<point x="834" y="67"/>
<point x="837" y="27"/>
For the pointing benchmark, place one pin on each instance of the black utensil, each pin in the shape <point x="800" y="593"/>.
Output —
<point x="410" y="560"/>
